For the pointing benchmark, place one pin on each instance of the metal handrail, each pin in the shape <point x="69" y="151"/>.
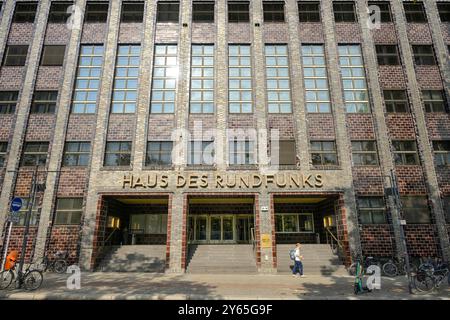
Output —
<point x="253" y="240"/>
<point x="334" y="237"/>
<point x="100" y="249"/>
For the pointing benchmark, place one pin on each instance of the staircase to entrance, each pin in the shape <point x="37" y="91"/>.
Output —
<point x="134" y="258"/>
<point x="318" y="259"/>
<point x="221" y="258"/>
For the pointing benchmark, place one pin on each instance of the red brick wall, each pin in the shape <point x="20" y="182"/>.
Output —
<point x="377" y="240"/>
<point x="401" y="126"/>
<point x="347" y="32"/>
<point x="419" y="33"/>
<point x="81" y="127"/>
<point x="284" y="123"/>
<point x="311" y="33"/>
<point x="239" y="32"/>
<point x="6" y="125"/>
<point x="40" y="127"/>
<point x="65" y="238"/>
<point x="360" y="126"/>
<point x="203" y="32"/>
<point x="21" y="33"/>
<point x="49" y="78"/>
<point x="368" y="180"/>
<point x="72" y="182"/>
<point x="429" y="77"/>
<point x="130" y="32"/>
<point x="411" y="180"/>
<point x="422" y="240"/>
<point x="385" y="35"/>
<point x="391" y="77"/>
<point x="160" y="126"/>
<point x="121" y="127"/>
<point x="94" y="33"/>
<point x="321" y="126"/>
<point x="275" y="32"/>
<point x="16" y="241"/>
<point x="166" y="33"/>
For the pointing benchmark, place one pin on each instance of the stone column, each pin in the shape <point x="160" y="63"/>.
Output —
<point x="424" y="146"/>
<point x="178" y="240"/>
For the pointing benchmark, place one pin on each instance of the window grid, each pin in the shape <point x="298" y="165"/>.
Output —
<point x="273" y="11"/>
<point x="25" y="12"/>
<point x="58" y="12"/>
<point x="8" y="101"/>
<point x="278" y="79"/>
<point x="323" y="153"/>
<point x="203" y="11"/>
<point x="16" y="55"/>
<point x="433" y="100"/>
<point x="159" y="153"/>
<point x="405" y="152"/>
<point x="414" y="12"/>
<point x="372" y="210"/>
<point x="240" y="79"/>
<point x="168" y="12"/>
<point x="201" y="153"/>
<point x="364" y="153"/>
<point x="44" y="102"/>
<point x="118" y="153"/>
<point x="395" y="100"/>
<point x="315" y="79"/>
<point x="344" y="11"/>
<point x="3" y="149"/>
<point x="68" y="211"/>
<point x="165" y="73"/>
<point x="76" y="153"/>
<point x="132" y="12"/>
<point x="241" y="151"/>
<point x="387" y="55"/>
<point x="96" y="12"/>
<point x="356" y="96"/>
<point x="124" y="95"/>
<point x="88" y="79"/>
<point x="238" y="12"/>
<point x="385" y="10"/>
<point x="202" y="79"/>
<point x="35" y="154"/>
<point x="444" y="11"/>
<point x="424" y="55"/>
<point x="309" y="11"/>
<point x="442" y="152"/>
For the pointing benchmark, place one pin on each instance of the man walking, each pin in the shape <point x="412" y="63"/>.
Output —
<point x="298" y="265"/>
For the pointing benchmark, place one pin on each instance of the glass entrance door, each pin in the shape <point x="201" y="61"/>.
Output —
<point x="244" y="227"/>
<point x="213" y="228"/>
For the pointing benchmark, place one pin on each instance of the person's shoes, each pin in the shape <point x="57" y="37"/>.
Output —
<point x="302" y="276"/>
<point x="295" y="275"/>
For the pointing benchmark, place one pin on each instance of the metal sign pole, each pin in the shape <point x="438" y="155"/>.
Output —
<point x="6" y="245"/>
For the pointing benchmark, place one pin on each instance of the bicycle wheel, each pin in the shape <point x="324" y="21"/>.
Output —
<point x="424" y="283"/>
<point x="33" y="280"/>
<point x="390" y="269"/>
<point x="60" y="266"/>
<point x="6" y="277"/>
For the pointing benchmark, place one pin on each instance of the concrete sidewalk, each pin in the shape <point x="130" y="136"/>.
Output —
<point x="113" y="286"/>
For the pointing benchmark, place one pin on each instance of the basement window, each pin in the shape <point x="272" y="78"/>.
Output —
<point x="415" y="12"/>
<point x="25" y="12"/>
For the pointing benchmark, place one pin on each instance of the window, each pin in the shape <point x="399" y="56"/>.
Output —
<point x="132" y="12"/>
<point x="446" y="204"/>
<point x="44" y="102"/>
<point x="442" y="152"/>
<point x="371" y="210"/>
<point x="309" y="11"/>
<point x="203" y="12"/>
<point x="239" y="79"/>
<point x="344" y="11"/>
<point x="356" y="96"/>
<point x="118" y="153"/>
<point x="96" y="12"/>
<point x="385" y="10"/>
<point x="273" y="11"/>
<point x="8" y="101"/>
<point x="444" y="11"/>
<point x="124" y="96"/>
<point x="241" y="151"/>
<point x="405" y="153"/>
<point x="168" y="12"/>
<point x="3" y="149"/>
<point x="238" y="12"/>
<point x="149" y="223"/>
<point x="433" y="100"/>
<point x="25" y="12"/>
<point x="202" y="79"/>
<point x="15" y="55"/>
<point x="297" y="222"/>
<point x="23" y="212"/>
<point x="76" y="154"/>
<point x="395" y="100"/>
<point x="59" y="12"/>
<point x="165" y="74"/>
<point x="323" y="153"/>
<point x="415" y="209"/>
<point x="201" y="153"/>
<point x="53" y="55"/>
<point x="286" y="152"/>
<point x="278" y="79"/>
<point x="87" y="81"/>
<point x="415" y="12"/>
<point x="68" y="210"/>
<point x="364" y="153"/>
<point x="159" y="153"/>
<point x="315" y="79"/>
<point x="35" y="154"/>
<point x="387" y="55"/>
<point x="423" y="55"/>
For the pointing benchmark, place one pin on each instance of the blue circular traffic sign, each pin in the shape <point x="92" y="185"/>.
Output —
<point x="16" y="204"/>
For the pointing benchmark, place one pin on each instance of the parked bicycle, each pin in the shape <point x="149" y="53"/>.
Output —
<point x="395" y="267"/>
<point x="365" y="262"/>
<point x="431" y="274"/>
<point x="31" y="279"/>
<point x="58" y="264"/>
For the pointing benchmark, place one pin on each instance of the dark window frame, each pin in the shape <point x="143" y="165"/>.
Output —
<point x="416" y="208"/>
<point x="433" y="105"/>
<point x="58" y="12"/>
<point x="274" y="14"/>
<point x="69" y="213"/>
<point x="28" y="13"/>
<point x="385" y="10"/>
<point x="321" y="153"/>
<point x="415" y="12"/>
<point x="423" y="58"/>
<point x="55" y="59"/>
<point x="366" y="207"/>
<point x="441" y="150"/>
<point x="22" y="58"/>
<point x="3" y="152"/>
<point x="80" y="156"/>
<point x="306" y="13"/>
<point x="167" y="11"/>
<point x="44" y="101"/>
<point x="344" y="15"/>
<point x="123" y="154"/>
<point x="149" y="161"/>
<point x="444" y="11"/>
<point x="236" y="15"/>
<point x="135" y="15"/>
<point x="39" y="157"/>
<point x="385" y="57"/>
<point x="96" y="13"/>
<point x="201" y="11"/>
<point x="401" y="153"/>
<point x="358" y="152"/>
<point x="394" y="104"/>
<point x="8" y="106"/>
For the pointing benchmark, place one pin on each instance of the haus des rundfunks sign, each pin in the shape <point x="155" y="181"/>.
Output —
<point x="222" y="181"/>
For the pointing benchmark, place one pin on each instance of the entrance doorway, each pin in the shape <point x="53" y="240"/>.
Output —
<point x="220" y="228"/>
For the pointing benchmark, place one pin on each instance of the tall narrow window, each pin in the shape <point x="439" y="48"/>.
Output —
<point x="278" y="79"/>
<point x="356" y="96"/>
<point x="164" y="84"/>
<point x="202" y="79"/>
<point x="126" y="79"/>
<point x="88" y="79"/>
<point x="239" y="79"/>
<point x="8" y="101"/>
<point x="238" y="11"/>
<point x="315" y="79"/>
